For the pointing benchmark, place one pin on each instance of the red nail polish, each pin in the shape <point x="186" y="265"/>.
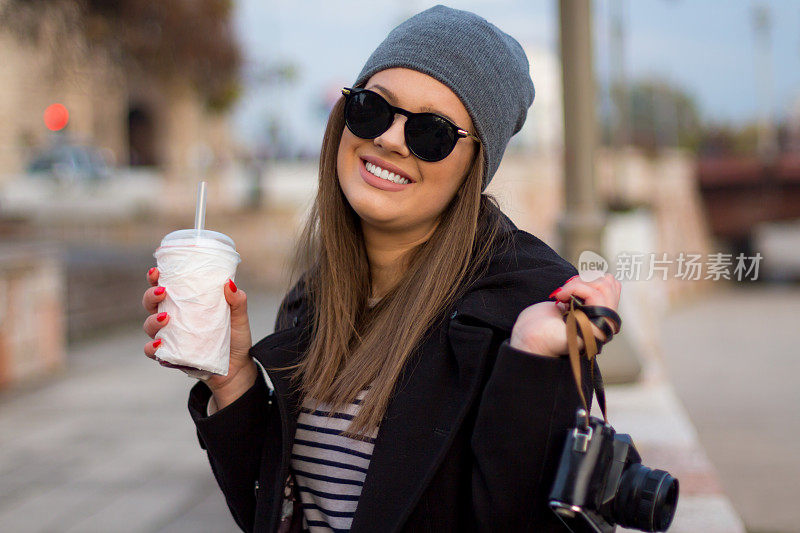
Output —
<point x="157" y="343"/>
<point x="570" y="279"/>
<point x="150" y="272"/>
<point x="159" y="291"/>
<point x="161" y="317"/>
<point x="554" y="292"/>
<point x="232" y="285"/>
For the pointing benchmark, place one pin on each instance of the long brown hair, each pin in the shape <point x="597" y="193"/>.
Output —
<point x="353" y="346"/>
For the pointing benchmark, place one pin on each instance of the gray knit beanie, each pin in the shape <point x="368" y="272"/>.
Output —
<point x="485" y="67"/>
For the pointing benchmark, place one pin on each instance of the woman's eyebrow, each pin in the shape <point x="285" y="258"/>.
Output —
<point x="426" y="108"/>
<point x="429" y="109"/>
<point x="389" y="93"/>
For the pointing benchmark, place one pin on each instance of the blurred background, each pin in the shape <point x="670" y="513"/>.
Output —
<point x="661" y="129"/>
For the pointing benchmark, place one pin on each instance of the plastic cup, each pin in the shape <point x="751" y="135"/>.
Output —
<point x="193" y="266"/>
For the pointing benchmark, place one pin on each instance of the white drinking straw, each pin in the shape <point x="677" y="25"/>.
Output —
<point x="200" y="209"/>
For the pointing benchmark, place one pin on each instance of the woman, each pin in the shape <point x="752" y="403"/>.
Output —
<point x="414" y="381"/>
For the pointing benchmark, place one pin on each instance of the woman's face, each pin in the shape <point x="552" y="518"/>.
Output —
<point x="414" y="207"/>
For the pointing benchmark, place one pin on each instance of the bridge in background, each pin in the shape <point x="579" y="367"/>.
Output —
<point x="741" y="193"/>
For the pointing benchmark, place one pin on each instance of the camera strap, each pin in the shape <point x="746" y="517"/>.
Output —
<point x="576" y="318"/>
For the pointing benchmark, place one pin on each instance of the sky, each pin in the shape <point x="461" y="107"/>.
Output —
<point x="705" y="47"/>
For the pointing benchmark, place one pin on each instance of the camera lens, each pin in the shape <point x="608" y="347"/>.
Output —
<point x="645" y="499"/>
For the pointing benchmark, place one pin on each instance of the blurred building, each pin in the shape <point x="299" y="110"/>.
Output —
<point x="139" y="119"/>
<point x="55" y="67"/>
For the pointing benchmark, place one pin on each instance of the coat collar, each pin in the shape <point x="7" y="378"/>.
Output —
<point x="413" y="438"/>
<point x="522" y="273"/>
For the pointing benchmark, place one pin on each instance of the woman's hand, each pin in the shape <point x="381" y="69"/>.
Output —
<point x="241" y="369"/>
<point x="540" y="328"/>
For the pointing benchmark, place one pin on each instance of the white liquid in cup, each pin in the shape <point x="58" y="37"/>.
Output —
<point x="194" y="266"/>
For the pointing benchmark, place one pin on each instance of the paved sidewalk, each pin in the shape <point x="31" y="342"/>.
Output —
<point x="654" y="417"/>
<point x="109" y="446"/>
<point x="733" y="358"/>
<point x="651" y="412"/>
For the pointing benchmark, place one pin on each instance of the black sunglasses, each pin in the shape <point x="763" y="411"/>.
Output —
<point x="429" y="136"/>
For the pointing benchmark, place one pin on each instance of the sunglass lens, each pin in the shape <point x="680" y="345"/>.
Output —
<point x="430" y="137"/>
<point x="367" y="115"/>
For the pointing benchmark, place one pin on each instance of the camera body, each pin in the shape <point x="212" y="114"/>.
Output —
<point x="601" y="482"/>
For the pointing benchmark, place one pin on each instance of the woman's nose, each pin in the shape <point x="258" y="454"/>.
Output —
<point x="394" y="139"/>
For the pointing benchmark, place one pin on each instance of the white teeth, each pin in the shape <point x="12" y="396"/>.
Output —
<point x="384" y="174"/>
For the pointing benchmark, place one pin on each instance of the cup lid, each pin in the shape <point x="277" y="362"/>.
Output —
<point x="184" y="236"/>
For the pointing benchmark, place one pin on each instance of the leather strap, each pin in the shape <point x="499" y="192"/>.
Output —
<point x="577" y="318"/>
<point x="597" y="311"/>
<point x="605" y="327"/>
<point x="598" y="315"/>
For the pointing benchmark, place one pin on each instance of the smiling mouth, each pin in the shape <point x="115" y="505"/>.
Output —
<point x="382" y="173"/>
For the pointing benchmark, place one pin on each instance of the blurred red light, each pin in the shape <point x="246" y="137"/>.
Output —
<point x="56" y="117"/>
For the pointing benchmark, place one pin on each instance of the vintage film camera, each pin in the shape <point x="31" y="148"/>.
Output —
<point x="601" y="481"/>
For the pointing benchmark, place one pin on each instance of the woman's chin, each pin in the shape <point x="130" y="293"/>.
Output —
<point x="380" y="220"/>
<point x="373" y="207"/>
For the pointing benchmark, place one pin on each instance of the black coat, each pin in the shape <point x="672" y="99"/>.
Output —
<point x="470" y="440"/>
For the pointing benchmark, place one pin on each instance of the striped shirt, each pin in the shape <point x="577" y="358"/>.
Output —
<point x="329" y="468"/>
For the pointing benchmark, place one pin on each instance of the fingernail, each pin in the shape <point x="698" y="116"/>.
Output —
<point x="570" y="279"/>
<point x="150" y="272"/>
<point x="161" y="317"/>
<point x="232" y="285"/>
<point x="159" y="291"/>
<point x="157" y="343"/>
<point x="554" y="292"/>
